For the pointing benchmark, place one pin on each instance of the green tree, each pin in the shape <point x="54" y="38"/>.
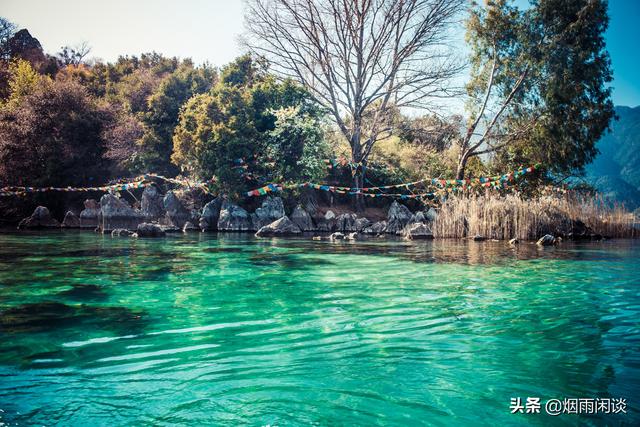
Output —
<point x="538" y="85"/>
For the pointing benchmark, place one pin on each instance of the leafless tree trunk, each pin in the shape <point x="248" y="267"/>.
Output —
<point x="358" y="57"/>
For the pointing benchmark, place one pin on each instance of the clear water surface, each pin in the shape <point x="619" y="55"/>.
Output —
<point x="205" y="329"/>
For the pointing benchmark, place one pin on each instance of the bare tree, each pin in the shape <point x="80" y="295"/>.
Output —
<point x="359" y="58"/>
<point x="74" y="55"/>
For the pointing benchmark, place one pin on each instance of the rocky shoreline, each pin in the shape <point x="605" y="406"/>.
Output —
<point x="158" y="214"/>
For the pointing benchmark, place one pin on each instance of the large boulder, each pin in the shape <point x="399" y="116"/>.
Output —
<point x="176" y="214"/>
<point x="361" y="224"/>
<point x="302" y="219"/>
<point x="71" y="220"/>
<point x="90" y="215"/>
<point x="233" y="218"/>
<point x="151" y="203"/>
<point x="326" y="222"/>
<point x="149" y="230"/>
<point x="398" y="217"/>
<point x="546" y="240"/>
<point x="272" y="209"/>
<point x="116" y="213"/>
<point x="210" y="215"/>
<point x="346" y="222"/>
<point x="376" y="228"/>
<point x="431" y="214"/>
<point x="280" y="227"/>
<point x="40" y="218"/>
<point x="417" y="231"/>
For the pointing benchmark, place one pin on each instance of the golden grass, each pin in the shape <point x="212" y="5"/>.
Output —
<point x="505" y="217"/>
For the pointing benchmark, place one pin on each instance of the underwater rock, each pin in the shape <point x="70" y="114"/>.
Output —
<point x="233" y="218"/>
<point x="40" y="218"/>
<point x="116" y="213"/>
<point x="71" y="220"/>
<point x="272" y="209"/>
<point x="302" y="219"/>
<point x="210" y="215"/>
<point x="151" y="203"/>
<point x="89" y="217"/>
<point x="121" y="232"/>
<point x="280" y="227"/>
<point x="398" y="217"/>
<point x="479" y="238"/>
<point x="149" y="230"/>
<point x="417" y="231"/>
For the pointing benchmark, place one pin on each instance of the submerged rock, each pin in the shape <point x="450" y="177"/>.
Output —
<point x="280" y="227"/>
<point x="151" y="203"/>
<point x="233" y="218"/>
<point x="121" y="232"/>
<point x="479" y="238"/>
<point x="210" y="215"/>
<point x="302" y="219"/>
<point x="40" y="218"/>
<point x="71" y="220"/>
<point x="176" y="213"/>
<point x="398" y="217"/>
<point x="546" y="240"/>
<point x="336" y="236"/>
<point x="376" y="228"/>
<point x="272" y="209"/>
<point x="89" y="217"/>
<point x="116" y="213"/>
<point x="149" y="230"/>
<point x="417" y="231"/>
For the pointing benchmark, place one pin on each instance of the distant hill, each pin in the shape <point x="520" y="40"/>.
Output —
<point x="616" y="170"/>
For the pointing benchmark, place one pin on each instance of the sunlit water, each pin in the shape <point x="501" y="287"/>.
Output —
<point x="231" y="330"/>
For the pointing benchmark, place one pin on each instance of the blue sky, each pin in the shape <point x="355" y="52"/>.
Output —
<point x="207" y="30"/>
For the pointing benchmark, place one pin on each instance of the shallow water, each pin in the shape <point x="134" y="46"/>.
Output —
<point x="231" y="330"/>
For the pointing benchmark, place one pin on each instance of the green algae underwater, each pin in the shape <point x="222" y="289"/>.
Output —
<point x="223" y="329"/>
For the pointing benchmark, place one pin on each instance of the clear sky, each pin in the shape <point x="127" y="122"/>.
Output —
<point x="208" y="30"/>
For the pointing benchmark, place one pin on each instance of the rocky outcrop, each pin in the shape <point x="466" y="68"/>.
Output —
<point x="272" y="209"/>
<point x="431" y="214"/>
<point x="546" y="240"/>
<point x="116" y="213"/>
<point x="71" y="220"/>
<point x="176" y="213"/>
<point x="361" y="224"/>
<point x="417" y="231"/>
<point x="90" y="216"/>
<point x="149" y="230"/>
<point x="302" y="219"/>
<point x="346" y="222"/>
<point x="398" y="217"/>
<point x="280" y="227"/>
<point x="376" y="228"/>
<point x="210" y="215"/>
<point x="326" y="222"/>
<point x="233" y="218"/>
<point x="151" y="204"/>
<point x="40" y="218"/>
<point x="120" y="232"/>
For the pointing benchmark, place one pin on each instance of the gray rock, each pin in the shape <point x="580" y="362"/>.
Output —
<point x="351" y="236"/>
<point x="329" y="215"/>
<point x="40" y="218"/>
<point x="361" y="224"/>
<point x="326" y="222"/>
<point x="210" y="215"/>
<point x="170" y="228"/>
<point x="479" y="238"/>
<point x="336" y="236"/>
<point x="398" y="217"/>
<point x="546" y="240"/>
<point x="346" y="222"/>
<point x="149" y="230"/>
<point x="71" y="220"/>
<point x="272" y="209"/>
<point x="176" y="213"/>
<point x="417" y="231"/>
<point x="151" y="203"/>
<point x="233" y="218"/>
<point x="120" y="232"/>
<point x="90" y="216"/>
<point x="116" y="213"/>
<point x="514" y="241"/>
<point x="302" y="219"/>
<point x="376" y="228"/>
<point x="280" y="227"/>
<point x="418" y="217"/>
<point x="188" y="226"/>
<point x="431" y="215"/>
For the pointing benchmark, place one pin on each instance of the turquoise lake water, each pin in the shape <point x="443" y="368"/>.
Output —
<point x="206" y="329"/>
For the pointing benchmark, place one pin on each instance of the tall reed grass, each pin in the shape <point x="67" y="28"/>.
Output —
<point x="512" y="216"/>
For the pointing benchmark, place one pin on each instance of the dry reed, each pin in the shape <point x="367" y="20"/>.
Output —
<point x="505" y="217"/>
